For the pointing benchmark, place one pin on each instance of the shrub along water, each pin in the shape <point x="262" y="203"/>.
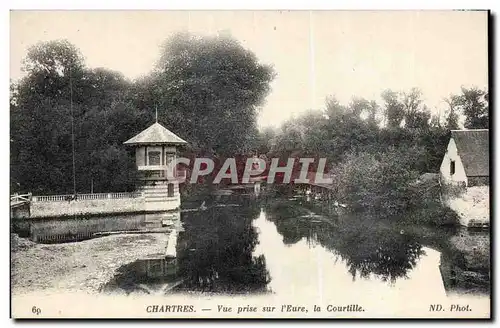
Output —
<point x="386" y="184"/>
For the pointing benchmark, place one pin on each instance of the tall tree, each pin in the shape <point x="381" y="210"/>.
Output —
<point x="207" y="89"/>
<point x="453" y="102"/>
<point x="475" y="106"/>
<point x="394" y="109"/>
<point x="210" y="89"/>
<point x="359" y="106"/>
<point x="40" y="118"/>
<point x="416" y="115"/>
<point x="41" y="124"/>
<point x="372" y="111"/>
<point x="266" y="140"/>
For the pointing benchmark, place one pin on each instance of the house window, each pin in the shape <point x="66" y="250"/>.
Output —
<point x="169" y="158"/>
<point x="169" y="162"/>
<point x="154" y="158"/>
<point x="170" y="190"/>
<point x="452" y="167"/>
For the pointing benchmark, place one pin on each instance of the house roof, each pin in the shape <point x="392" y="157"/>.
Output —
<point x="155" y="134"/>
<point x="473" y="147"/>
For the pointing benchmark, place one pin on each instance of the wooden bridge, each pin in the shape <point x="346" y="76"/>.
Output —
<point x="20" y="205"/>
<point x="17" y="200"/>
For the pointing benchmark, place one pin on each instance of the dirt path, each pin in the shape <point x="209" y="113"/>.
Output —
<point x="79" y="266"/>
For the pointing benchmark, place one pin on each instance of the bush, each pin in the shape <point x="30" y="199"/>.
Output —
<point x="386" y="184"/>
<point x="425" y="206"/>
<point x="378" y="182"/>
<point x="433" y="213"/>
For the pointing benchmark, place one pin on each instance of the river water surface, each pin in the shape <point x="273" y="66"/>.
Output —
<point x="287" y="248"/>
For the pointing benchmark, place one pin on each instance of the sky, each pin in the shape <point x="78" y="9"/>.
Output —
<point x="315" y="54"/>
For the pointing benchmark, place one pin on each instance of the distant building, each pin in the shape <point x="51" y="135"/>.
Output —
<point x="466" y="161"/>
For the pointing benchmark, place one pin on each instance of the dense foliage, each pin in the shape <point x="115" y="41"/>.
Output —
<point x="377" y="152"/>
<point x="207" y="89"/>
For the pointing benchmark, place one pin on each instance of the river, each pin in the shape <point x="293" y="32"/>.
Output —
<point x="286" y="247"/>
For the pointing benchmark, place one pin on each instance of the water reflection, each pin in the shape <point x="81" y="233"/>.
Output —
<point x="387" y="250"/>
<point x="365" y="246"/>
<point x="285" y="248"/>
<point x="309" y="271"/>
<point x="215" y="251"/>
<point x="153" y="275"/>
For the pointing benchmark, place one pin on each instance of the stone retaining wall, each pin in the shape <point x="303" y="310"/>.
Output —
<point x="154" y="198"/>
<point x="41" y="209"/>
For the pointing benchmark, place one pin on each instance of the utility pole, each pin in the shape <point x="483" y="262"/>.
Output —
<point x="72" y="130"/>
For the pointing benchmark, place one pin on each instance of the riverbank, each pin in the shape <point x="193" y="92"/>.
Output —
<point x="472" y="206"/>
<point x="79" y="266"/>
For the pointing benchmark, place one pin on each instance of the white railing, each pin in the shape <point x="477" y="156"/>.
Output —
<point x="152" y="167"/>
<point x="17" y="197"/>
<point x="63" y="198"/>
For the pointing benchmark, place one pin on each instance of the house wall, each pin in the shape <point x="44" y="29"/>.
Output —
<point x="142" y="160"/>
<point x="156" y="196"/>
<point x="140" y="156"/>
<point x="452" y="155"/>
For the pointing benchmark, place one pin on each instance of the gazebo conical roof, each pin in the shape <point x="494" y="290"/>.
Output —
<point x="156" y="134"/>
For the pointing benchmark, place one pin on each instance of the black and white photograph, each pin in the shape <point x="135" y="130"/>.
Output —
<point x="178" y="164"/>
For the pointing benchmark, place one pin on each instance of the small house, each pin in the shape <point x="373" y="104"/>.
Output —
<point x="155" y="151"/>
<point x="466" y="161"/>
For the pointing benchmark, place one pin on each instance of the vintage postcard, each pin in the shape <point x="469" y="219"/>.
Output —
<point x="249" y="164"/>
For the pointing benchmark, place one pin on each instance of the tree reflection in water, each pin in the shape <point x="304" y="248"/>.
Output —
<point x="367" y="246"/>
<point x="215" y="251"/>
<point x="373" y="250"/>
